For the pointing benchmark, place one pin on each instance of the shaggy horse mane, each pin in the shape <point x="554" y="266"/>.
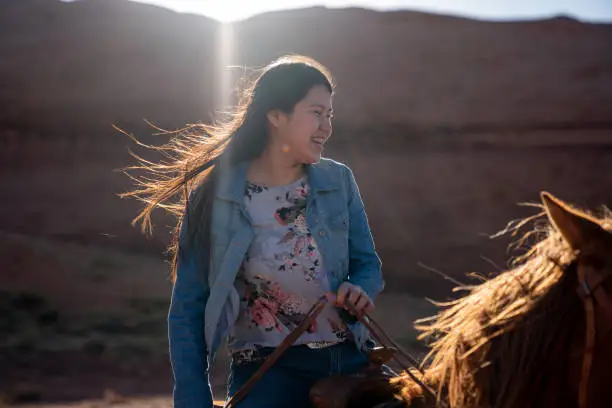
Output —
<point x="507" y="339"/>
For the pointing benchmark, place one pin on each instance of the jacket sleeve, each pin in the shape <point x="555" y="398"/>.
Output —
<point x="188" y="354"/>
<point x="364" y="263"/>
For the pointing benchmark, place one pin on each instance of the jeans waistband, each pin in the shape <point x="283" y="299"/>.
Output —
<point x="259" y="354"/>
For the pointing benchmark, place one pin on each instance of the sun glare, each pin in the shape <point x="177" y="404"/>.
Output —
<point x="224" y="12"/>
<point x="227" y="11"/>
<point x="225" y="50"/>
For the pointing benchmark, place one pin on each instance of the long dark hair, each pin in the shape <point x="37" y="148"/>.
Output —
<point x="184" y="183"/>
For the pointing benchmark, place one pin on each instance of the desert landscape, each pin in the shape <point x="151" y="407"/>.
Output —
<point x="448" y="123"/>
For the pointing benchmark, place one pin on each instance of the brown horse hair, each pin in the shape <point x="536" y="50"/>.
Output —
<point x="503" y="344"/>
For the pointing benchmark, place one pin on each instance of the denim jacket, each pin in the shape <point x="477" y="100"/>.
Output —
<point x="205" y="303"/>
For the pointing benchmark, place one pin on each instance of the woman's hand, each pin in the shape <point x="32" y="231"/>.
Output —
<point x="349" y="294"/>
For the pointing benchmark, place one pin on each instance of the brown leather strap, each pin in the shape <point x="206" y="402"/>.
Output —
<point x="590" y="284"/>
<point x="590" y="289"/>
<point x="601" y="297"/>
<point x="378" y="334"/>
<point x="589" y="345"/>
<point x="590" y="281"/>
<point x="311" y="316"/>
<point x="605" y="304"/>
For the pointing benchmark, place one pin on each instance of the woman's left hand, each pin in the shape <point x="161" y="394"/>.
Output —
<point x="355" y="296"/>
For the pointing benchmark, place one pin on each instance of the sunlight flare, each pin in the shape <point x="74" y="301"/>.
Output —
<point x="225" y="51"/>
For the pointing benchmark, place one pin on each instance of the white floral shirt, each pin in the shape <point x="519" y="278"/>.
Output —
<point x="282" y="275"/>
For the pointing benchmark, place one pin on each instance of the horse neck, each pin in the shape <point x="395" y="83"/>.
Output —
<point x="542" y="375"/>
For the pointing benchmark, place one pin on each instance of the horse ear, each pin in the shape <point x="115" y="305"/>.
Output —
<point x="578" y="229"/>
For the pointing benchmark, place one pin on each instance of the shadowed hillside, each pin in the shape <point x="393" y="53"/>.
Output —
<point x="447" y="122"/>
<point x="437" y="93"/>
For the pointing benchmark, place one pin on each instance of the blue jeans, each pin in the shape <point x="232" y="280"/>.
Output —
<point x="288" y="382"/>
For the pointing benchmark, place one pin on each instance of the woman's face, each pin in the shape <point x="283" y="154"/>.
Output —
<point x="303" y="133"/>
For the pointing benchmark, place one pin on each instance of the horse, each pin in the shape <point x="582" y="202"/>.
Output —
<point x="535" y="335"/>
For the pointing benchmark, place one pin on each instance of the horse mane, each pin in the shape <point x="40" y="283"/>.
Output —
<point x="506" y="342"/>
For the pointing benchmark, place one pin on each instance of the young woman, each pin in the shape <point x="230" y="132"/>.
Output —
<point x="268" y="227"/>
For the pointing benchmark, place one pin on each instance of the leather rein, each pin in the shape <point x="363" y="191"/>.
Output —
<point x="381" y="337"/>
<point x="591" y="292"/>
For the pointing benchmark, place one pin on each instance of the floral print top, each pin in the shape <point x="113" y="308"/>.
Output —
<point x="282" y="275"/>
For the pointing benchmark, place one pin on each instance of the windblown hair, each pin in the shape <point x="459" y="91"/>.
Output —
<point x="506" y="343"/>
<point x="194" y="154"/>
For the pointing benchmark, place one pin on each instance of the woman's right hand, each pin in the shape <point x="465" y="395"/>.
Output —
<point x="350" y="294"/>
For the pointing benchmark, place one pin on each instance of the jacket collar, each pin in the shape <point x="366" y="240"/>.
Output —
<point x="321" y="177"/>
<point x="232" y="180"/>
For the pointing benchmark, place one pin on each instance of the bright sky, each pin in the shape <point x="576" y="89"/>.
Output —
<point x="230" y="10"/>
